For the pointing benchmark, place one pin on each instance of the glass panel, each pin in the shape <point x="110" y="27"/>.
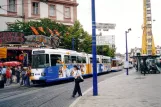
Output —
<point x="74" y="59"/>
<point x="67" y="59"/>
<point x="12" y="5"/>
<point x="83" y="59"/>
<point x="55" y="59"/>
<point x="67" y="12"/>
<point x="52" y="10"/>
<point x="35" y="6"/>
<point x="40" y="61"/>
<point x="79" y="59"/>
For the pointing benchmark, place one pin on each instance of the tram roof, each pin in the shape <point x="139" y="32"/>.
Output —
<point x="58" y="50"/>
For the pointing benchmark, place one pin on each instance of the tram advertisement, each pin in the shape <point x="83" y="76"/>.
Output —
<point x="68" y="70"/>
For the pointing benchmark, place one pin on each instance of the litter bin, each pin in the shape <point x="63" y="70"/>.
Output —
<point x="1" y="81"/>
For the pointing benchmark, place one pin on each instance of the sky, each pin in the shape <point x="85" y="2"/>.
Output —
<point x="125" y="14"/>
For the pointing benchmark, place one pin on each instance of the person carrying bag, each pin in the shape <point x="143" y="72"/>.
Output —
<point x="78" y="78"/>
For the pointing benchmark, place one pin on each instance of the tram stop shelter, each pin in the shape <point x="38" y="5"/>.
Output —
<point x="148" y="64"/>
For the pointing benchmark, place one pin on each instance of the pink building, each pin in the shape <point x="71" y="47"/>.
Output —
<point x="64" y="11"/>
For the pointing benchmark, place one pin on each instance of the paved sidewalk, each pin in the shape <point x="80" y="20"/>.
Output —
<point x="134" y="90"/>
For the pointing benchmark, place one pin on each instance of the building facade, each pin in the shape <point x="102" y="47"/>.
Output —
<point x="64" y="11"/>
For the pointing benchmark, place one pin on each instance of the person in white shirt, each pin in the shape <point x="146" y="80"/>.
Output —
<point x="76" y="74"/>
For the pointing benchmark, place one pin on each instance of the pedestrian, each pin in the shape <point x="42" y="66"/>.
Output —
<point x="23" y="77"/>
<point x="1" y="79"/>
<point x="17" y="73"/>
<point x="77" y="78"/>
<point x="28" y="74"/>
<point x="8" y="76"/>
<point x="4" y="73"/>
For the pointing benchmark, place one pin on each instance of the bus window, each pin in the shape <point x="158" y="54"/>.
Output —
<point x="54" y="59"/>
<point x="79" y="59"/>
<point x="83" y="59"/>
<point x="67" y="59"/>
<point x="74" y="59"/>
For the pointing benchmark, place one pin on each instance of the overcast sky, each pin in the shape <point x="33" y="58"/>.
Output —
<point x="126" y="14"/>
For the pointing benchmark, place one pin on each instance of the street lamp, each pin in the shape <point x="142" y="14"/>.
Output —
<point x="95" y="87"/>
<point x="127" y="72"/>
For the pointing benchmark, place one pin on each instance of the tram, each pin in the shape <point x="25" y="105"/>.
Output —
<point x="57" y="64"/>
<point x="116" y="65"/>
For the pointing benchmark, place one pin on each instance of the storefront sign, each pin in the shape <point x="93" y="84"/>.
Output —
<point x="3" y="53"/>
<point x="11" y="37"/>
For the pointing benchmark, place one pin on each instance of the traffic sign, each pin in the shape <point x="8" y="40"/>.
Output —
<point x="105" y="26"/>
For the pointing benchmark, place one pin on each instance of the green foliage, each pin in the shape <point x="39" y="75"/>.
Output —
<point x="45" y="23"/>
<point x="83" y="41"/>
<point x="106" y="50"/>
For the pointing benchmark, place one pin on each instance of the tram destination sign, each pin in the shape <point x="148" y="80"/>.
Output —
<point x="105" y="26"/>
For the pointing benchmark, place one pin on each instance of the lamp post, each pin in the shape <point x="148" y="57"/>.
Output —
<point x="73" y="41"/>
<point x="127" y="70"/>
<point x="95" y="87"/>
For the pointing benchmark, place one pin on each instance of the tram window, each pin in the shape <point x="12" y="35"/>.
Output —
<point x="67" y="59"/>
<point x="90" y="60"/>
<point x="74" y="59"/>
<point x="108" y="60"/>
<point x="54" y="59"/>
<point x="79" y="59"/>
<point x="113" y="63"/>
<point x="98" y="60"/>
<point x="47" y="59"/>
<point x="84" y="59"/>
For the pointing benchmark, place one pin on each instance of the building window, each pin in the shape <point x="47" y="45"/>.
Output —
<point x="12" y="5"/>
<point x="35" y="8"/>
<point x="67" y="12"/>
<point x="148" y="5"/>
<point x="52" y="10"/>
<point x="148" y="18"/>
<point x="148" y="11"/>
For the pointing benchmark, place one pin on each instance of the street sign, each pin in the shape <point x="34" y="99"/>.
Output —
<point x="105" y="40"/>
<point x="105" y="26"/>
<point x="102" y="40"/>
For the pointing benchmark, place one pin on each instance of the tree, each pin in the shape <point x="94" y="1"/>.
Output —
<point x="45" y="23"/>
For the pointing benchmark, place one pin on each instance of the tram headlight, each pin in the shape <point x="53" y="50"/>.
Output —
<point x="43" y="74"/>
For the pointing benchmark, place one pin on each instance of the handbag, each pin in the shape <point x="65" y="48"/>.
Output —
<point x="79" y="78"/>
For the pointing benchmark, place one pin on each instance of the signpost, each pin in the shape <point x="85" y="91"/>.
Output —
<point x="99" y="26"/>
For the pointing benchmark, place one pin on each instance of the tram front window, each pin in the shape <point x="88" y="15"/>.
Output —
<point x="40" y="61"/>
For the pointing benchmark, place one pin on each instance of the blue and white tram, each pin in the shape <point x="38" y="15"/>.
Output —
<point x="57" y="64"/>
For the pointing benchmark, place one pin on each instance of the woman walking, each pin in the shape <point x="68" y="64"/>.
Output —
<point x="77" y="78"/>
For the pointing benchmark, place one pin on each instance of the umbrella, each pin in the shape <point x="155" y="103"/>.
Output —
<point x="12" y="63"/>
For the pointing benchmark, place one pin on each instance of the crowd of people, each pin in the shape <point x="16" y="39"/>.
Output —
<point x="19" y="75"/>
